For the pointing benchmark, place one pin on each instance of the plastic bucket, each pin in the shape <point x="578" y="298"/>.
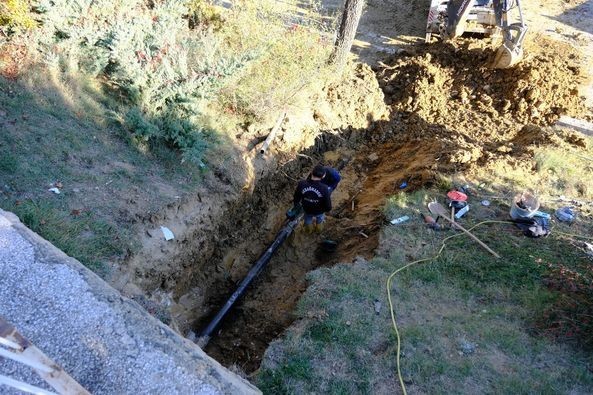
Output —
<point x="529" y="201"/>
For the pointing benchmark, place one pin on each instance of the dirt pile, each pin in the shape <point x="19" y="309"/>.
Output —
<point x="355" y="101"/>
<point x="442" y="82"/>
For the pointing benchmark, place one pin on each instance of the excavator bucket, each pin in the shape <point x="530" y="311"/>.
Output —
<point x="511" y="51"/>
<point x="507" y="57"/>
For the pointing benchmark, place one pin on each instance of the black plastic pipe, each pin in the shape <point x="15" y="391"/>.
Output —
<point x="255" y="270"/>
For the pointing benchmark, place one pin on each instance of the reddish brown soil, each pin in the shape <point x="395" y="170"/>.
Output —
<point x="436" y="127"/>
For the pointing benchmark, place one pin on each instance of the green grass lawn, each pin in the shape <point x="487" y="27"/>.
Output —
<point x="469" y="323"/>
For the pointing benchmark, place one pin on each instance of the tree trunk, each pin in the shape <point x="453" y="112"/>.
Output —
<point x="346" y="32"/>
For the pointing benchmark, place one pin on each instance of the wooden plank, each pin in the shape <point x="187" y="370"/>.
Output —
<point x="50" y="371"/>
<point x="24" y="386"/>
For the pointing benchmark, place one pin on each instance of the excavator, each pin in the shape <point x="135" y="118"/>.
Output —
<point x="451" y="19"/>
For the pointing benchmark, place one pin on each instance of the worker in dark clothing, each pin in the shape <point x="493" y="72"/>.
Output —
<point x="331" y="177"/>
<point x="314" y="197"/>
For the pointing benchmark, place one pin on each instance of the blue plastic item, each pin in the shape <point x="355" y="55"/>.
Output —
<point x="542" y="214"/>
<point x="566" y="214"/>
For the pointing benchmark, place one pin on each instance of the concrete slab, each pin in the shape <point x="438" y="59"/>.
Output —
<point x="106" y="342"/>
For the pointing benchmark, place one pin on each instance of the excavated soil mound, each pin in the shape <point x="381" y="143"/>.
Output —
<point x="445" y="99"/>
<point x="441" y="82"/>
<point x="449" y="114"/>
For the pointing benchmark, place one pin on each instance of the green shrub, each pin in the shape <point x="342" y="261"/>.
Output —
<point x="202" y="14"/>
<point x="166" y="73"/>
<point x="15" y="15"/>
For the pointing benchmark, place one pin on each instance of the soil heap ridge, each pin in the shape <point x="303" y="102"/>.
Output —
<point x="441" y="82"/>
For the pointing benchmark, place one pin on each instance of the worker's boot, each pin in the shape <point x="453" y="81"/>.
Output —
<point x="309" y="228"/>
<point x="319" y="228"/>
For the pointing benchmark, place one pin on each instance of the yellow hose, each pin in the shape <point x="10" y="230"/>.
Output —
<point x="390" y="278"/>
<point x="441" y="249"/>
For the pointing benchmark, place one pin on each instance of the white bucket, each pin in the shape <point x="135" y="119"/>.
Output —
<point x="531" y="203"/>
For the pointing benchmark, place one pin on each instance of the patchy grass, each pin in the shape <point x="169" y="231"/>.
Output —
<point x="338" y="338"/>
<point x="82" y="236"/>
<point x="469" y="323"/>
<point x="465" y="296"/>
<point x="50" y="137"/>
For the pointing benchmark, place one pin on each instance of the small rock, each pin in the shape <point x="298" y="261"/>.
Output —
<point x="373" y="157"/>
<point x="466" y="348"/>
<point x="377" y="305"/>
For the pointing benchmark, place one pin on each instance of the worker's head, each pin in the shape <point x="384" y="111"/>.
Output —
<point x="318" y="172"/>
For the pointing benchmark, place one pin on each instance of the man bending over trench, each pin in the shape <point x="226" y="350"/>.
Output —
<point x="314" y="196"/>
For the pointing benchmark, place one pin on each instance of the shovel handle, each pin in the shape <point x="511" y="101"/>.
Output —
<point x="472" y="236"/>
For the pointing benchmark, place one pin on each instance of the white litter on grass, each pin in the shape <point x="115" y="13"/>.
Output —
<point x="167" y="233"/>
<point x="54" y="190"/>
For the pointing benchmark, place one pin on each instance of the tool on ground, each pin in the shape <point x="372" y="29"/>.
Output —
<point x="438" y="209"/>
<point x="431" y="222"/>
<point x="259" y="265"/>
<point x="451" y="18"/>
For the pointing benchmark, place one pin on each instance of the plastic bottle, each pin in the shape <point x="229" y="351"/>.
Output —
<point x="462" y="212"/>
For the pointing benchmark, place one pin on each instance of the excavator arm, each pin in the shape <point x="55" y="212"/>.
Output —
<point x="452" y="18"/>
<point x="511" y="51"/>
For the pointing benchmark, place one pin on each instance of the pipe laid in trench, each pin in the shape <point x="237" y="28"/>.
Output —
<point x="263" y="260"/>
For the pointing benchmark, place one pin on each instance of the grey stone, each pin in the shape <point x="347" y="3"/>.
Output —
<point x="466" y="348"/>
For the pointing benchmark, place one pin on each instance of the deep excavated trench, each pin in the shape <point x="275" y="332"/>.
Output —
<point x="430" y="131"/>
<point x="378" y="160"/>
<point x="267" y="307"/>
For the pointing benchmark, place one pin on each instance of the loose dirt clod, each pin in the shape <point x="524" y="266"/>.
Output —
<point x="441" y="82"/>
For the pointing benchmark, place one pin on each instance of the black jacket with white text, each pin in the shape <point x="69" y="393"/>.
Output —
<point x="314" y="196"/>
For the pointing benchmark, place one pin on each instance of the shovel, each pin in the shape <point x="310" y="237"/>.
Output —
<point x="438" y="209"/>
